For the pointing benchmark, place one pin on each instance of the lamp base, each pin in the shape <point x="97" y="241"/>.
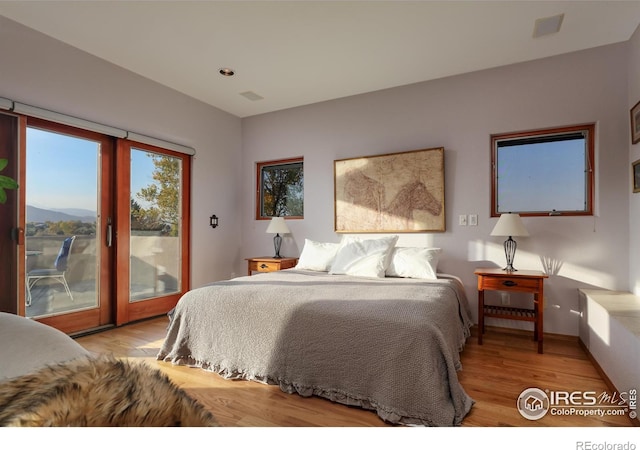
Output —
<point x="510" y="252"/>
<point x="277" y="242"/>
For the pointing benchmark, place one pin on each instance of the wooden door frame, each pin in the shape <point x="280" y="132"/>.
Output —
<point x="127" y="311"/>
<point x="9" y="231"/>
<point x="103" y="314"/>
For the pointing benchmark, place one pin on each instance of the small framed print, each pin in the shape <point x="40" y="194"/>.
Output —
<point x="635" y="169"/>
<point x="635" y="123"/>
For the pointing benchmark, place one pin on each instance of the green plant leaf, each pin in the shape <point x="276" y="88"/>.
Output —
<point x="7" y="183"/>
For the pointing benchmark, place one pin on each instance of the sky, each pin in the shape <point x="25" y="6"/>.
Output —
<point x="542" y="177"/>
<point x="62" y="171"/>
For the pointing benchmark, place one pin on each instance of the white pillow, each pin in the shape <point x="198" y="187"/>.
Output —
<point x="414" y="262"/>
<point x="317" y="256"/>
<point x="363" y="258"/>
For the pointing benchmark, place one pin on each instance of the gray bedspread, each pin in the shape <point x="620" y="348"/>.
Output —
<point x="391" y="345"/>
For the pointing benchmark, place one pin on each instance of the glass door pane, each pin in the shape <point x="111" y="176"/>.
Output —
<point x="62" y="204"/>
<point x="155" y="226"/>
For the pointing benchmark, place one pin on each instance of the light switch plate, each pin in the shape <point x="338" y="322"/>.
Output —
<point x="462" y="220"/>
<point x="473" y="220"/>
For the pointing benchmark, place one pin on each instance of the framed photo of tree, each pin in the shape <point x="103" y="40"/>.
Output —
<point x="280" y="189"/>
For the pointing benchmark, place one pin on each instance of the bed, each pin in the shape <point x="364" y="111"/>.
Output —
<point x="387" y="344"/>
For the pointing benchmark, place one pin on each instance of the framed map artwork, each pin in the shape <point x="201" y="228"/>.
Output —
<point x="396" y="192"/>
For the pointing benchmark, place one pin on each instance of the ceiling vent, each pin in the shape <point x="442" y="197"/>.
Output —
<point x="547" y="25"/>
<point x="250" y="95"/>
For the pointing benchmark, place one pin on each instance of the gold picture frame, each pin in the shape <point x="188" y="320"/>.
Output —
<point x="391" y="193"/>
<point x="635" y="173"/>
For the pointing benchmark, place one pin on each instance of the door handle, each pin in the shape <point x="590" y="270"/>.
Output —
<point x="17" y="234"/>
<point x="109" y="232"/>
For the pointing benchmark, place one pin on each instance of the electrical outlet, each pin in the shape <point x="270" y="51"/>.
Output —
<point x="473" y="220"/>
<point x="462" y="220"/>
<point x="505" y="299"/>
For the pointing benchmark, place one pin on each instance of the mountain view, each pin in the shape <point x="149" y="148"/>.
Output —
<point x="40" y="215"/>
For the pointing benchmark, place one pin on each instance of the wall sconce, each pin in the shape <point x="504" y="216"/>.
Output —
<point x="213" y="221"/>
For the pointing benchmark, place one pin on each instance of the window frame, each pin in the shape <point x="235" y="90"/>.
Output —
<point x="259" y="188"/>
<point x="590" y="137"/>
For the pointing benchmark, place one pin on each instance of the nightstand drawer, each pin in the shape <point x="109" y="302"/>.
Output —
<point x="511" y="284"/>
<point x="267" y="264"/>
<point x="262" y="266"/>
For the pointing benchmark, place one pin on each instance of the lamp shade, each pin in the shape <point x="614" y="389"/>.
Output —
<point x="277" y="226"/>
<point x="509" y="225"/>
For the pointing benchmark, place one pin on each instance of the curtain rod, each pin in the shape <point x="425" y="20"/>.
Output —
<point x="65" y="119"/>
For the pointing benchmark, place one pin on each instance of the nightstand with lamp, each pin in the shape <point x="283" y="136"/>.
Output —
<point x="277" y="262"/>
<point x="511" y="280"/>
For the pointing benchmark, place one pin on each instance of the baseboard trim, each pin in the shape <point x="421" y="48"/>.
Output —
<point x="521" y="332"/>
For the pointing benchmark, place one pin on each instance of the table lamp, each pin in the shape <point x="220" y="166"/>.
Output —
<point x="509" y="224"/>
<point x="277" y="226"/>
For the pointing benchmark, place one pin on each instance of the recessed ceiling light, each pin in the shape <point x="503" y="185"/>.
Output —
<point x="547" y="25"/>
<point x="227" y="72"/>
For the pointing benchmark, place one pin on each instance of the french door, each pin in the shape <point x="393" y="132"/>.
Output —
<point x="66" y="180"/>
<point x="101" y="227"/>
<point x="153" y="240"/>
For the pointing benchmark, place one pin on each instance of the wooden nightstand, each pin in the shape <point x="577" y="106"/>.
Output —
<point x="519" y="281"/>
<point x="270" y="264"/>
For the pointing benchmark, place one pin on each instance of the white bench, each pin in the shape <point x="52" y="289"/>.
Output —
<point x="610" y="330"/>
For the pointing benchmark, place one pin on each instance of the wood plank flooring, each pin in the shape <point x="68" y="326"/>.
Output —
<point x="493" y="374"/>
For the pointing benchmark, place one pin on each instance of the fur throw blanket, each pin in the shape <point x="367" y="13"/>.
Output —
<point x="98" y="392"/>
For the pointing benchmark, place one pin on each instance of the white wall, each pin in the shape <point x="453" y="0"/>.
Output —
<point x="634" y="154"/>
<point x="459" y="113"/>
<point x="40" y="71"/>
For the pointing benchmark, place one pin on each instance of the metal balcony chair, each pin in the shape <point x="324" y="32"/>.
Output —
<point x="56" y="273"/>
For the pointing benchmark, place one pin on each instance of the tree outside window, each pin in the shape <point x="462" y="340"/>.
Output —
<point x="280" y="190"/>
<point x="156" y="207"/>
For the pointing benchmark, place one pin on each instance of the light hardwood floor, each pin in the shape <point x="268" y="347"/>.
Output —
<point x="493" y="374"/>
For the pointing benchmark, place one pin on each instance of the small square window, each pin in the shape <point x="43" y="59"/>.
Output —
<point x="543" y="172"/>
<point x="280" y="189"/>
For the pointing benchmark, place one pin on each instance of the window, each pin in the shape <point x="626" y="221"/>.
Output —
<point x="280" y="189"/>
<point x="543" y="172"/>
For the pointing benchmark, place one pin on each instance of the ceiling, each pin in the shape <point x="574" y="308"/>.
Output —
<point x="292" y="53"/>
